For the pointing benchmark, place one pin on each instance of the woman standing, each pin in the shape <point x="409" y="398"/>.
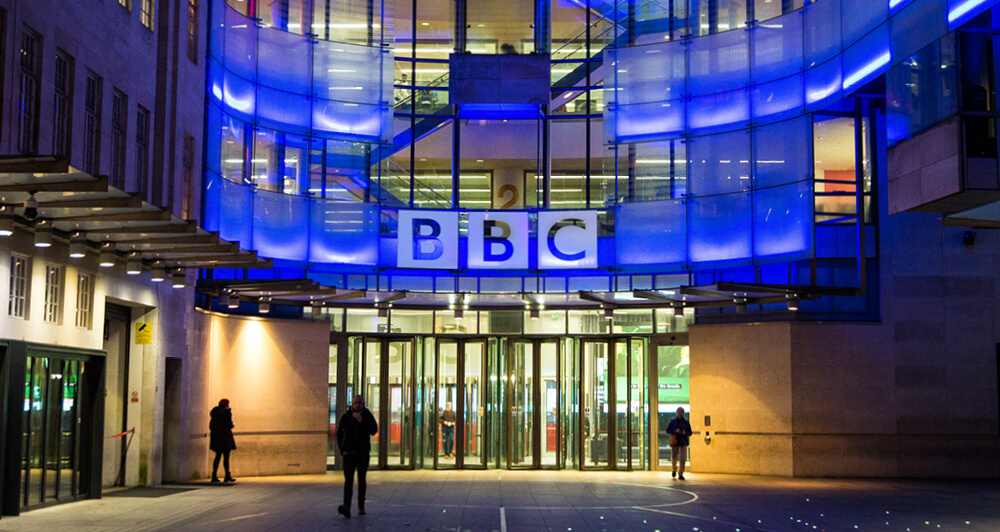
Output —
<point x="221" y="438"/>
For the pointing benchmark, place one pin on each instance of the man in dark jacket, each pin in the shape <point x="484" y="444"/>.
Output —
<point x="221" y="438"/>
<point x="681" y="429"/>
<point x="354" y="432"/>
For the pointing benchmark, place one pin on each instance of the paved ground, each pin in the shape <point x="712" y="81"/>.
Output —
<point x="536" y="500"/>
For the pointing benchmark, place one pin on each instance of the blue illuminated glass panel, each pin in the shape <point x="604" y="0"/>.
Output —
<point x="719" y="164"/>
<point x="279" y="223"/>
<point x="343" y="233"/>
<point x="652" y="232"/>
<point x="783" y="222"/>
<point x="783" y="152"/>
<point x="720" y="230"/>
<point x="777" y="48"/>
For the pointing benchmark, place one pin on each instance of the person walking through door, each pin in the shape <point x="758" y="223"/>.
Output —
<point x="448" y="420"/>
<point x="221" y="439"/>
<point x="679" y="430"/>
<point x="354" y="432"/>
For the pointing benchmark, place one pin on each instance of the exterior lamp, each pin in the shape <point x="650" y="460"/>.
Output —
<point x="234" y="299"/>
<point x="224" y="298"/>
<point x="741" y="306"/>
<point x="78" y="245"/>
<point x="107" y="255"/>
<point x="534" y="313"/>
<point x="43" y="234"/>
<point x="6" y="221"/>
<point x="264" y="306"/>
<point x="133" y="266"/>
<point x="793" y="303"/>
<point x="609" y="313"/>
<point x="178" y="279"/>
<point x="383" y="312"/>
<point x="158" y="272"/>
<point x="316" y="310"/>
<point x="679" y="311"/>
<point x="459" y="314"/>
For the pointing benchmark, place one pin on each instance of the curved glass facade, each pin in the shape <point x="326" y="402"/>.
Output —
<point x="694" y="146"/>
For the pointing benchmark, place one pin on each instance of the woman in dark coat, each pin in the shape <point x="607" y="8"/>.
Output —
<point x="221" y="438"/>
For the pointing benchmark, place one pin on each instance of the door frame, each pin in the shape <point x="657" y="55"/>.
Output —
<point x="385" y="423"/>
<point x="653" y="371"/>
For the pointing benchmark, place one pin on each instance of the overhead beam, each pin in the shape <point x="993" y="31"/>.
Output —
<point x="98" y="184"/>
<point x="181" y="228"/>
<point x="129" y="202"/>
<point x="212" y="248"/>
<point x="41" y="164"/>
<point x="141" y="216"/>
<point x="210" y="238"/>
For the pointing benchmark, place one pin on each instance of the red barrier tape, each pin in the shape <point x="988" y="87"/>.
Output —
<point x="129" y="431"/>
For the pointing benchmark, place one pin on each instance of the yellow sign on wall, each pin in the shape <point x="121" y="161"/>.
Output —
<point x="143" y="333"/>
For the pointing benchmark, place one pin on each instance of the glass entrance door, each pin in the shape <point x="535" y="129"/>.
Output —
<point x="534" y="416"/>
<point x="461" y="390"/>
<point x="381" y="370"/>
<point x="613" y="391"/>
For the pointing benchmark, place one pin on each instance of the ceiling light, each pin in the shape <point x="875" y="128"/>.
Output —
<point x="234" y="299"/>
<point x="383" y="312"/>
<point x="741" y="305"/>
<point x="679" y="311"/>
<point x="793" y="304"/>
<point x="6" y="221"/>
<point x="43" y="234"/>
<point x="609" y="313"/>
<point x="459" y="314"/>
<point x="264" y="306"/>
<point x="178" y="278"/>
<point x="133" y="266"/>
<point x="78" y="245"/>
<point x="317" y="310"/>
<point x="158" y="272"/>
<point x="534" y="313"/>
<point x="107" y="255"/>
<point x="224" y="298"/>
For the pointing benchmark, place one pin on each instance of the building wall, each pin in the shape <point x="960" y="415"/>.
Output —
<point x="912" y="396"/>
<point x="274" y="372"/>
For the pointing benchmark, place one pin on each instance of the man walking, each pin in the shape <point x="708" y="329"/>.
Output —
<point x="354" y="432"/>
<point x="680" y="433"/>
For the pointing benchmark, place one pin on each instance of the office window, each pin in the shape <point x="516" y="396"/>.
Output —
<point x="141" y="149"/>
<point x="84" y="300"/>
<point x="62" y="106"/>
<point x="92" y="125"/>
<point x="187" y="200"/>
<point x="27" y="103"/>
<point x="119" y="114"/>
<point x="192" y="49"/>
<point x="147" y="13"/>
<point x="20" y="276"/>
<point x="127" y="4"/>
<point x="53" y="293"/>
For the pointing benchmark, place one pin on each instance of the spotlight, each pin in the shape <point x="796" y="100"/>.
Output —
<point x="793" y="303"/>
<point x="741" y="306"/>
<point x="78" y="245"/>
<point x="178" y="278"/>
<point x="133" y="266"/>
<point x="679" y="311"/>
<point x="534" y="313"/>
<point x="609" y="313"/>
<point x="158" y="272"/>
<point x="459" y="314"/>
<point x="31" y="208"/>
<point x="234" y="299"/>
<point x="264" y="305"/>
<point x="6" y="221"/>
<point x="317" y="310"/>
<point x="43" y="234"/>
<point x="224" y="298"/>
<point x="383" y="312"/>
<point x="107" y="255"/>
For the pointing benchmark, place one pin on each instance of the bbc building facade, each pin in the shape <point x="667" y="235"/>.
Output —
<point x="564" y="218"/>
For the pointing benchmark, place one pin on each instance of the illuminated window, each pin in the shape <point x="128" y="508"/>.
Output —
<point x="92" y="125"/>
<point x="27" y="108"/>
<point x="62" y="106"/>
<point x="192" y="48"/>
<point x="84" y="300"/>
<point x="147" y="13"/>
<point x="119" y="116"/>
<point x="53" y="293"/>
<point x="20" y="275"/>
<point x="141" y="149"/>
<point x="127" y="4"/>
<point x="187" y="200"/>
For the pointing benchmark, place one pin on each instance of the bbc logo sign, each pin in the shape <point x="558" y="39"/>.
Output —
<point x="498" y="240"/>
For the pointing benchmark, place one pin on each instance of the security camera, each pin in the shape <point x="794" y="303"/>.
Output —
<point x="31" y="208"/>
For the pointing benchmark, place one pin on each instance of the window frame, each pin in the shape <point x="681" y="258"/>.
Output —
<point x="84" y="301"/>
<point x="119" y="128"/>
<point x="19" y="297"/>
<point x="92" y="124"/>
<point x="62" y="105"/>
<point x="29" y="91"/>
<point x="55" y="275"/>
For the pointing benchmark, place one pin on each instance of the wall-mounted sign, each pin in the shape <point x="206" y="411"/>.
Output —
<point x="497" y="240"/>
<point x="143" y="333"/>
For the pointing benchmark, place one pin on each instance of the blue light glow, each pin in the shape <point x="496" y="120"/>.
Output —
<point x="867" y="70"/>
<point x="963" y="9"/>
